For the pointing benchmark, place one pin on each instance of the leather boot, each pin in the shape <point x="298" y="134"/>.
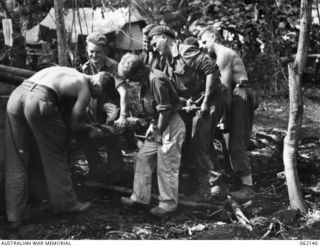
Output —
<point x="202" y="194"/>
<point x="218" y="190"/>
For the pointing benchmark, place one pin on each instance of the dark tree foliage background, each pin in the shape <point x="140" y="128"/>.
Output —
<point x="265" y="33"/>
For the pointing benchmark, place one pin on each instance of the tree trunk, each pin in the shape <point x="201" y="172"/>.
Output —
<point x="61" y="33"/>
<point x="291" y="140"/>
<point x="4" y="6"/>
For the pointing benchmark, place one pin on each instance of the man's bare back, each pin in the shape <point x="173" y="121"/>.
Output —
<point x="68" y="82"/>
<point x="63" y="80"/>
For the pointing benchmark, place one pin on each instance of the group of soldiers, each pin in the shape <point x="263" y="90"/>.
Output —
<point x="188" y="92"/>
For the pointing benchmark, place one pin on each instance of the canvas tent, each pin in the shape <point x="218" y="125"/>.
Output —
<point x="86" y="20"/>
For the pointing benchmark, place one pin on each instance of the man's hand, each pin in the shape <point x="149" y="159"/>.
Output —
<point x="149" y="133"/>
<point x="121" y="122"/>
<point x="153" y="134"/>
<point x="189" y="102"/>
<point x="183" y="100"/>
<point x="223" y="126"/>
<point x="204" y="111"/>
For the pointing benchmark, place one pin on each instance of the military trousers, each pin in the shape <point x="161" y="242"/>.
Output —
<point x="203" y="132"/>
<point x="241" y="122"/>
<point x="32" y="112"/>
<point x="166" y="159"/>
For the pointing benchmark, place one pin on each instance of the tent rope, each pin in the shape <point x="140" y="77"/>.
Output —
<point x="75" y="32"/>
<point x="78" y="14"/>
<point x="128" y="36"/>
<point x="53" y="19"/>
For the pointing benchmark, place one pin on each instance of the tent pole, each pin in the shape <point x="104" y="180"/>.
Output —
<point x="61" y="33"/>
<point x="130" y="29"/>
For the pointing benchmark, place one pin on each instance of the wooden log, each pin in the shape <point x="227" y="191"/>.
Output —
<point x="213" y="205"/>
<point x="270" y="137"/>
<point x="13" y="75"/>
<point x="10" y="79"/>
<point x="17" y="71"/>
<point x="265" y="141"/>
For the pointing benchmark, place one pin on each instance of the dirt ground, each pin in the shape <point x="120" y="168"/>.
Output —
<point x="269" y="214"/>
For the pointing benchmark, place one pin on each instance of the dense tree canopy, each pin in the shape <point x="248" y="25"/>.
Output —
<point x="262" y="32"/>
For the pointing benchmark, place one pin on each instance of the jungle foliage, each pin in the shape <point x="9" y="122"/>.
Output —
<point x="265" y="33"/>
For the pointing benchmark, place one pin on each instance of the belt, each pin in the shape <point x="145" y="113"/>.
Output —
<point x="32" y="85"/>
<point x="29" y="84"/>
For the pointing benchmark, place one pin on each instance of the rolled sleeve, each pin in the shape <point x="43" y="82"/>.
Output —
<point x="161" y="94"/>
<point x="163" y="107"/>
<point x="119" y="81"/>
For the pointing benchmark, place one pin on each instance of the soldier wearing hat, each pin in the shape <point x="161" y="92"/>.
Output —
<point x="149" y="56"/>
<point x="196" y="79"/>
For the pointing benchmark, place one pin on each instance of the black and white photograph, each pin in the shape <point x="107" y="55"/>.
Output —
<point x="124" y="120"/>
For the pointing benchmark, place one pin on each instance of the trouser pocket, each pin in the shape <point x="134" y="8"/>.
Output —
<point x="47" y="109"/>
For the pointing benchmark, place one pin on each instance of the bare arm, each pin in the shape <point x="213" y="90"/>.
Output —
<point x="225" y="66"/>
<point x="212" y="81"/>
<point x="123" y="99"/>
<point x="79" y="107"/>
<point x="201" y="62"/>
<point x="121" y="122"/>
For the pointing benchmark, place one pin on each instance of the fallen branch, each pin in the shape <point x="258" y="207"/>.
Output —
<point x="270" y="137"/>
<point x="216" y="212"/>
<point x="270" y="227"/>
<point x="212" y="205"/>
<point x="239" y="214"/>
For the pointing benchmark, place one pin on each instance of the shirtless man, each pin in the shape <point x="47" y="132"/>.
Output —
<point x="241" y="101"/>
<point x="33" y="112"/>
